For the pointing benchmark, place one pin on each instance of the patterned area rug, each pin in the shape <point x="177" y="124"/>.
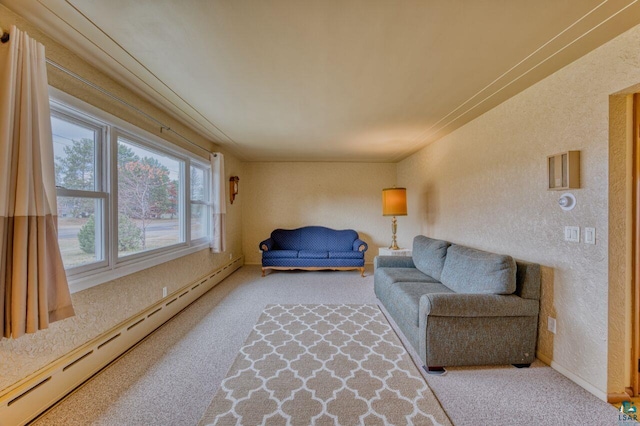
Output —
<point x="323" y="365"/>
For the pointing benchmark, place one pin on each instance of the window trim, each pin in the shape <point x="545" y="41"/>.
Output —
<point x="90" y="275"/>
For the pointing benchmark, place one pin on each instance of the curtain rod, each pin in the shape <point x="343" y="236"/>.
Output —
<point x="163" y="127"/>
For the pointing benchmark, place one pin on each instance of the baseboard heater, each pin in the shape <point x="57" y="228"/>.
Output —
<point x="30" y="397"/>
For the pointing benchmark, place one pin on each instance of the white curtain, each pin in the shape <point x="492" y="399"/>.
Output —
<point x="33" y="285"/>
<point x="219" y="202"/>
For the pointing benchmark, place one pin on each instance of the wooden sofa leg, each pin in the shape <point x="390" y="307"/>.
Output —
<point x="361" y="272"/>
<point x="263" y="272"/>
<point x="434" y="370"/>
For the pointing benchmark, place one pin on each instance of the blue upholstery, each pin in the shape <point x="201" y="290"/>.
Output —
<point x="312" y="254"/>
<point x="279" y="254"/>
<point x="313" y="247"/>
<point x="346" y="255"/>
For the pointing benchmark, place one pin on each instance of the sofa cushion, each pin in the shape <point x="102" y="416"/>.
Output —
<point x="279" y="254"/>
<point x="467" y="270"/>
<point x="395" y="275"/>
<point x="429" y="255"/>
<point x="404" y="298"/>
<point x="386" y="278"/>
<point x="313" y="254"/>
<point x="346" y="254"/>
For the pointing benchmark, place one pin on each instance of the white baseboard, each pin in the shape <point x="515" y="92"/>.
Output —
<point x="33" y="395"/>
<point x="574" y="378"/>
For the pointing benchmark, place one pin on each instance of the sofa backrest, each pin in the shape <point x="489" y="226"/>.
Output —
<point x="468" y="270"/>
<point x="314" y="238"/>
<point x="429" y="255"/>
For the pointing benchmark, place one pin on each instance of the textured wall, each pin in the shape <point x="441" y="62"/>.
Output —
<point x="485" y="186"/>
<point x="336" y="195"/>
<point x="100" y="308"/>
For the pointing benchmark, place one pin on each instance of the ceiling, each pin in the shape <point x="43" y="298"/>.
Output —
<point x="328" y="80"/>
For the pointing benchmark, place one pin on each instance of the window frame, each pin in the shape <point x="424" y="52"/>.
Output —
<point x="100" y="192"/>
<point x="183" y="222"/>
<point x="113" y="267"/>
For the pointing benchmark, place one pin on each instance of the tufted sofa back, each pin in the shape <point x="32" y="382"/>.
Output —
<point x="314" y="238"/>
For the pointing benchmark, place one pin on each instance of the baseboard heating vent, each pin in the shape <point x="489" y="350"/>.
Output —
<point x="27" y="392"/>
<point x="30" y="397"/>
<point x="65" y="368"/>
<point x="109" y="341"/>
<point x="134" y="324"/>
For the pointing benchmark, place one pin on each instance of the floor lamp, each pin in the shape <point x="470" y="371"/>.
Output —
<point x="394" y="203"/>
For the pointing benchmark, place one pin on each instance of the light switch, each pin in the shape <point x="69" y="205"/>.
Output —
<point x="590" y="235"/>
<point x="572" y="234"/>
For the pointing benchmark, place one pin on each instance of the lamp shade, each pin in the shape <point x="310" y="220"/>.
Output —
<point x="394" y="202"/>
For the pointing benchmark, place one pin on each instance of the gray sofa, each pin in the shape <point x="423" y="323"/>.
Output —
<point x="460" y="306"/>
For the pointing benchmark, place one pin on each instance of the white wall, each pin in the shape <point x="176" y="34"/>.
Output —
<point x="336" y="195"/>
<point x="484" y="185"/>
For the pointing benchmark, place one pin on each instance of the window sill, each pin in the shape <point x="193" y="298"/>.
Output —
<point x="103" y="275"/>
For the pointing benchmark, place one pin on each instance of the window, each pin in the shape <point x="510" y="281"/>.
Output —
<point x="78" y="174"/>
<point x="127" y="200"/>
<point x="200" y="207"/>
<point x="149" y="208"/>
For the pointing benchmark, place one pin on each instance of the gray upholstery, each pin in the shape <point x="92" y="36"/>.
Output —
<point x="393" y="262"/>
<point x="452" y="341"/>
<point x="429" y="255"/>
<point x="477" y="305"/>
<point x="461" y="321"/>
<point x="528" y="280"/>
<point x="406" y="296"/>
<point x="467" y="270"/>
<point x="386" y="277"/>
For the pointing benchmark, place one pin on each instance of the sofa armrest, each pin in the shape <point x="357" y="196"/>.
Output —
<point x="359" y="245"/>
<point x="476" y="305"/>
<point x="393" y="262"/>
<point x="267" y="244"/>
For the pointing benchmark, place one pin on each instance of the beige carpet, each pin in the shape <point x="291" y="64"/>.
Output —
<point x="323" y="364"/>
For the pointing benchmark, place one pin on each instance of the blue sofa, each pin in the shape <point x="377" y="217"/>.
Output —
<point x="460" y="306"/>
<point x="313" y="248"/>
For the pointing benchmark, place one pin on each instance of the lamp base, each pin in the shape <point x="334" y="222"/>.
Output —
<point x="394" y="228"/>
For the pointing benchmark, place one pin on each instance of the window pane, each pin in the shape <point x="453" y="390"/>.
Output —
<point x="74" y="148"/>
<point x="199" y="221"/>
<point x="148" y="199"/>
<point x="79" y="231"/>
<point x="197" y="184"/>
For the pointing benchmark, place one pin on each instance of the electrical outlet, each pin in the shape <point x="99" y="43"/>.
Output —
<point x="164" y="292"/>
<point x="551" y="324"/>
<point x="230" y="256"/>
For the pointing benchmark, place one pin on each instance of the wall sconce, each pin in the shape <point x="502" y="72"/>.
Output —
<point x="233" y="187"/>
<point x="567" y="201"/>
